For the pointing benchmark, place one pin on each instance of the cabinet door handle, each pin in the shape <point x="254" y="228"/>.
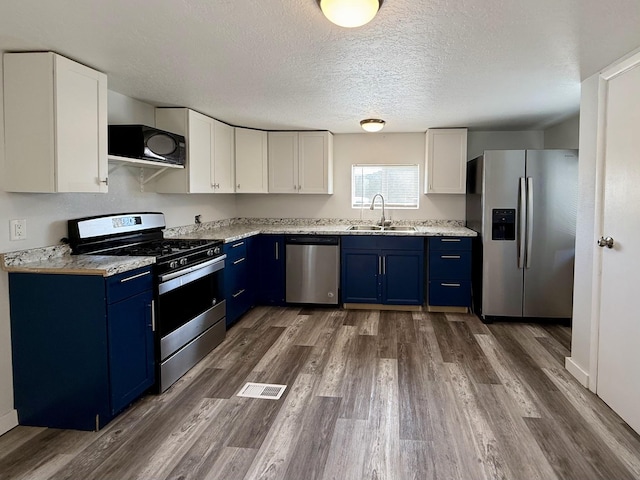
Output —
<point x="236" y="295"/>
<point x="238" y="185"/>
<point x="153" y="315"/>
<point x="379" y="265"/>
<point x="277" y="254"/>
<point x="133" y="277"/>
<point x="239" y="244"/>
<point x="239" y="260"/>
<point x="384" y="265"/>
<point x="449" y="284"/>
<point x="453" y="257"/>
<point x="449" y="239"/>
<point x="105" y="181"/>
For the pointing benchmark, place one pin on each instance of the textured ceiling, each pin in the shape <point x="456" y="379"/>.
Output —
<point x="279" y="64"/>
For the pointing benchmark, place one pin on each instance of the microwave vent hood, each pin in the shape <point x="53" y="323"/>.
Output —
<point x="147" y="143"/>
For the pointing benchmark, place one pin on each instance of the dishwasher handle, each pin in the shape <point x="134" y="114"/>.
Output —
<point x="312" y="240"/>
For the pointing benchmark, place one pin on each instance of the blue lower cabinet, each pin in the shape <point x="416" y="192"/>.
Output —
<point x="238" y="283"/>
<point x="82" y="346"/>
<point x="360" y="276"/>
<point x="383" y="270"/>
<point x="449" y="272"/>
<point x="270" y="273"/>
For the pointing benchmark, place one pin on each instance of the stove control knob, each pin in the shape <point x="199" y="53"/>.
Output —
<point x="173" y="264"/>
<point x="210" y="252"/>
<point x="217" y="250"/>
<point x="183" y="261"/>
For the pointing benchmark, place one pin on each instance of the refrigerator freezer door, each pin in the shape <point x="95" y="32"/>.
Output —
<point x="548" y="280"/>
<point x="502" y="280"/>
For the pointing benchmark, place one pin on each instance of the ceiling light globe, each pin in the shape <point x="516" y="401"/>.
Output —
<point x="350" y="13"/>
<point x="372" y="125"/>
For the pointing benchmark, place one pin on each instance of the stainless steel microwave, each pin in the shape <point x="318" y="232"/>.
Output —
<point x="147" y="143"/>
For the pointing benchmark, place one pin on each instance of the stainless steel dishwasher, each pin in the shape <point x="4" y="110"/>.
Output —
<point x="312" y="269"/>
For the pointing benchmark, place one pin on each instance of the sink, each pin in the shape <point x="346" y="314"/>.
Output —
<point x="401" y="229"/>
<point x="364" y="227"/>
<point x="374" y="228"/>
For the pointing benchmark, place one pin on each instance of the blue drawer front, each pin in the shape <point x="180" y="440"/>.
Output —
<point x="128" y="284"/>
<point x="450" y="264"/>
<point x="450" y="243"/>
<point x="235" y="250"/>
<point x="450" y="293"/>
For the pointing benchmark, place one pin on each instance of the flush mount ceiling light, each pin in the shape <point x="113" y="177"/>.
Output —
<point x="350" y="13"/>
<point x="372" y="124"/>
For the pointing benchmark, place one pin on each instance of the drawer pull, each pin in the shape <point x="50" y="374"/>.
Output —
<point x="239" y="260"/>
<point x="236" y="295"/>
<point x="133" y="277"/>
<point x="239" y="244"/>
<point x="449" y="284"/>
<point x="449" y="239"/>
<point x="451" y="257"/>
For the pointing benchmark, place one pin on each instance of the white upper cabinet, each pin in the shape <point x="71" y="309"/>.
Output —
<point x="210" y="145"/>
<point x="300" y="162"/>
<point x="55" y="125"/>
<point x="223" y="157"/>
<point x="446" y="160"/>
<point x="252" y="174"/>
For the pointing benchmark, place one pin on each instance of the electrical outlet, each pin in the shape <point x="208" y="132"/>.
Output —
<point x="18" y="229"/>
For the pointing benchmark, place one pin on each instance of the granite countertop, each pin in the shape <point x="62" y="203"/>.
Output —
<point x="57" y="259"/>
<point x="233" y="233"/>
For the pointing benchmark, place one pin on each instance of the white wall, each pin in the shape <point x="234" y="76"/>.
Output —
<point x="46" y="216"/>
<point x="478" y="142"/>
<point x="579" y="362"/>
<point x="564" y="134"/>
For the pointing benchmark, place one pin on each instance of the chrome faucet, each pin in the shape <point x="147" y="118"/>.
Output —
<point x="382" y="221"/>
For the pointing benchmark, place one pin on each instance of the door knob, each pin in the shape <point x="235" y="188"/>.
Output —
<point x="605" y="242"/>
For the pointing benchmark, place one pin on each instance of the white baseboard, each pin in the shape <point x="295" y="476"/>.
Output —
<point x="573" y="368"/>
<point x="8" y="421"/>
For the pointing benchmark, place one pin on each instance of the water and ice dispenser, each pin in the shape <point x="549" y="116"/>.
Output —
<point x="503" y="224"/>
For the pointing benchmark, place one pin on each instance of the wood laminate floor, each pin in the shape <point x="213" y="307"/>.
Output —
<point x="370" y="395"/>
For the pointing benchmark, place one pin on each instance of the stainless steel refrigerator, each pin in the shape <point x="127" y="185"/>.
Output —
<point x="523" y="205"/>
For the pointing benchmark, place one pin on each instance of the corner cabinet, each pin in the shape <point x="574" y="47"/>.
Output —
<point x="446" y="161"/>
<point x="301" y="162"/>
<point x="383" y="270"/>
<point x="82" y="346"/>
<point x="55" y="120"/>
<point x="210" y="153"/>
<point x="252" y="174"/>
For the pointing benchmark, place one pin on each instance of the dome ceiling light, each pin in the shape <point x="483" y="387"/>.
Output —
<point x="350" y="13"/>
<point x="372" y="124"/>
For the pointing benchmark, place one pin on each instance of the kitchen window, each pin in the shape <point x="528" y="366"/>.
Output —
<point x="399" y="184"/>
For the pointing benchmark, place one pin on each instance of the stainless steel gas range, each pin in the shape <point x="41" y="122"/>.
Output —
<point x="189" y="311"/>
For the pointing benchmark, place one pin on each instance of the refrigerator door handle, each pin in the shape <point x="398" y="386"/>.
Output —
<point x="522" y="215"/>
<point x="529" y="221"/>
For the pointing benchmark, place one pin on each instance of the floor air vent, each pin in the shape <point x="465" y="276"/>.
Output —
<point x="262" y="390"/>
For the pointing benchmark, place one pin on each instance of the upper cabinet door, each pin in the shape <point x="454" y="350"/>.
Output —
<point x="446" y="161"/>
<point x="55" y="124"/>
<point x="198" y="130"/>
<point x="252" y="174"/>
<point x="223" y="158"/>
<point x="315" y="162"/>
<point x="283" y="162"/>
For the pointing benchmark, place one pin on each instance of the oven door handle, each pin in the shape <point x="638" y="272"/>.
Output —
<point x="173" y="280"/>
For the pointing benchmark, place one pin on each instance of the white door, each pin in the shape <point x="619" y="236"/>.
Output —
<point x="315" y="157"/>
<point x="283" y="162"/>
<point x="618" y="382"/>
<point x="223" y="158"/>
